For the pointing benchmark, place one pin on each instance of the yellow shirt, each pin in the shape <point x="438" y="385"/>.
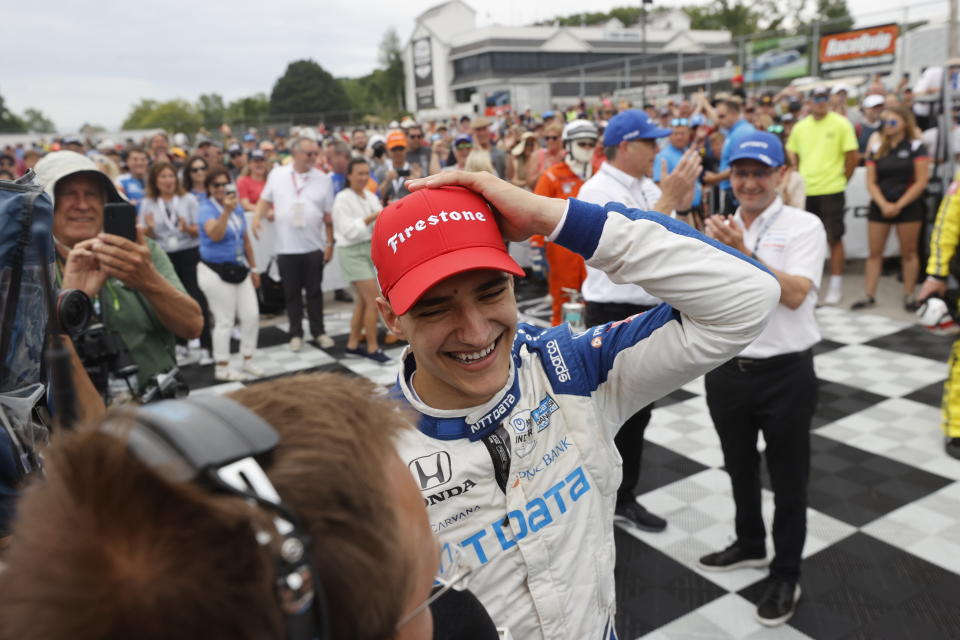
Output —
<point x="822" y="146"/>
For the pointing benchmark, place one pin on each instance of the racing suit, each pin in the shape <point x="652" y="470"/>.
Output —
<point x="943" y="248"/>
<point x="566" y="267"/>
<point x="526" y="483"/>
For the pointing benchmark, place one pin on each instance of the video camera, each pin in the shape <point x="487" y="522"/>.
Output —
<point x="106" y="359"/>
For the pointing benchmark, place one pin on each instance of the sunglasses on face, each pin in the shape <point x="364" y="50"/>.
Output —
<point x="219" y="185"/>
<point x="891" y="123"/>
<point x="820" y="98"/>
<point x="461" y="147"/>
<point x="775" y="128"/>
<point x="679" y="122"/>
<point x="414" y="137"/>
<point x="583" y="144"/>
<point x="197" y="169"/>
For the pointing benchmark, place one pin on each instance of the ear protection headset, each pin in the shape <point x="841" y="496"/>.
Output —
<point x="215" y="442"/>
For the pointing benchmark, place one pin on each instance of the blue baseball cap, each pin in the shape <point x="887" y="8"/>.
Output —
<point x="631" y="124"/>
<point x="249" y="137"/>
<point x="548" y="114"/>
<point x="760" y="146"/>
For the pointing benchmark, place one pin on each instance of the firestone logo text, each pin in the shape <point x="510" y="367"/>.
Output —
<point x="860" y="46"/>
<point x="433" y="220"/>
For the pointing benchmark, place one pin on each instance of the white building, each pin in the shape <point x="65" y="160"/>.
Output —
<point x="452" y="66"/>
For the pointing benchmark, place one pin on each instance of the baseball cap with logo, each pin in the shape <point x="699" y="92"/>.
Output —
<point x="631" y="124"/>
<point x="433" y="234"/>
<point x="396" y="139"/>
<point x="760" y="146"/>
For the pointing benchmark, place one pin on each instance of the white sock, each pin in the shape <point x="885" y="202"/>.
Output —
<point x="836" y="283"/>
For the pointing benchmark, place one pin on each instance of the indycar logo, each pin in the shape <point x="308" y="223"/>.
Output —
<point x="432" y="470"/>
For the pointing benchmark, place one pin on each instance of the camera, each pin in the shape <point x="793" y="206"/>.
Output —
<point x="106" y="358"/>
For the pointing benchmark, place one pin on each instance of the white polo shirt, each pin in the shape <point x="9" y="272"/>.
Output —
<point x="300" y="202"/>
<point x="793" y="241"/>
<point x="610" y="184"/>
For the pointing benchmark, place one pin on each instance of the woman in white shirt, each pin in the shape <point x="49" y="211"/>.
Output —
<point x="170" y="215"/>
<point x="355" y="209"/>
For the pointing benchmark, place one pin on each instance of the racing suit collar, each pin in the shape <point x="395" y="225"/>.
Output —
<point x="474" y="422"/>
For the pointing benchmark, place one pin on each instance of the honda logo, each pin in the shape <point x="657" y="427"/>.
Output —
<point x="432" y="471"/>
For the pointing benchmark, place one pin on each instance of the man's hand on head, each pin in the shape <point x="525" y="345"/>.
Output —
<point x="522" y="214"/>
<point x="129" y="262"/>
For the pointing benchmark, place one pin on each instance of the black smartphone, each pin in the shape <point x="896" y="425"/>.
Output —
<point x="120" y="219"/>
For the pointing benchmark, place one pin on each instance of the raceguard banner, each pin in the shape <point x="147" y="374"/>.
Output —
<point x="859" y="48"/>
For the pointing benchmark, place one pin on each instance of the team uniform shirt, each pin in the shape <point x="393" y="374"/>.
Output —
<point x="896" y="169"/>
<point x="166" y="221"/>
<point x="349" y="211"/>
<point x="822" y="146"/>
<point x="739" y="129"/>
<point x="793" y="241"/>
<point x="133" y="187"/>
<point x="673" y="155"/>
<point x="300" y="203"/>
<point x="613" y="185"/>
<point x="526" y="483"/>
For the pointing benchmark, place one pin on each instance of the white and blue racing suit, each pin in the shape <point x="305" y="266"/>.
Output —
<point x="527" y="482"/>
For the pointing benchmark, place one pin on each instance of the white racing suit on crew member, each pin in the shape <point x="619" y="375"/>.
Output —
<point x="526" y="483"/>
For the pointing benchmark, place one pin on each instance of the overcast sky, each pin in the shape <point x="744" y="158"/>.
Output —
<point x="91" y="61"/>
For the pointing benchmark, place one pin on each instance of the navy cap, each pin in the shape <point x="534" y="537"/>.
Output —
<point x="760" y="146"/>
<point x="463" y="137"/>
<point x="631" y="124"/>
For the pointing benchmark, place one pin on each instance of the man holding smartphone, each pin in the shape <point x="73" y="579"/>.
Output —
<point x="131" y="283"/>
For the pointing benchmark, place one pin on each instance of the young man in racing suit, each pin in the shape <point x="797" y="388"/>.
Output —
<point x="943" y="247"/>
<point x="514" y="451"/>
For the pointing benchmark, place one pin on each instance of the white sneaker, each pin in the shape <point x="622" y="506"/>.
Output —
<point x="325" y="341"/>
<point x="194" y="343"/>
<point x="295" y="344"/>
<point x="184" y="357"/>
<point x="834" y="295"/>
<point x="228" y="374"/>
<point x="205" y="358"/>
<point x="252" y="369"/>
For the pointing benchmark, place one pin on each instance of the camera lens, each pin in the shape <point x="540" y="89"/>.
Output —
<point x="73" y="310"/>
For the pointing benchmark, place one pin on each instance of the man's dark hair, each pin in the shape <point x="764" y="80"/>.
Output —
<point x="137" y="149"/>
<point x="734" y="106"/>
<point x="354" y="162"/>
<point x="107" y="548"/>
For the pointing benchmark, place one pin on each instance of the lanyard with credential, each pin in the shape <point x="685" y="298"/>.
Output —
<point x="296" y="189"/>
<point x="763" y="231"/>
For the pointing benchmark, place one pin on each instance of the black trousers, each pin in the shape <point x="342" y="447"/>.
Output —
<point x="185" y="264"/>
<point x="299" y="271"/>
<point x="629" y="439"/>
<point x="776" y="396"/>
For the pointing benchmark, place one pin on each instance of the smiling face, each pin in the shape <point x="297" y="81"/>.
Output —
<point x="461" y="334"/>
<point x="78" y="208"/>
<point x="167" y="182"/>
<point x="755" y="184"/>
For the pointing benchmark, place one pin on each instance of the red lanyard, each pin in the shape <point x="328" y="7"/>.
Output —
<point x="293" y="177"/>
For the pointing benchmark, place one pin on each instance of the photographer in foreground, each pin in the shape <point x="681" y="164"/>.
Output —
<point x="132" y="285"/>
<point x="112" y="546"/>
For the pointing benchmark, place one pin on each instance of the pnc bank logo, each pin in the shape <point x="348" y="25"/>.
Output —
<point x="432" y="470"/>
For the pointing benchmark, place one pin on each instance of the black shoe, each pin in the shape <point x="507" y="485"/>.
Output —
<point x="953" y="448"/>
<point x="733" y="557"/>
<point x="866" y="303"/>
<point x="635" y="515"/>
<point x="778" y="603"/>
<point x="341" y="295"/>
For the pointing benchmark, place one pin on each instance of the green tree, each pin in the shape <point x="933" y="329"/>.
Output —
<point x="172" y="115"/>
<point x="307" y="89"/>
<point x="391" y="62"/>
<point x="9" y="121"/>
<point x="734" y="16"/>
<point x="37" y="122"/>
<point x="834" y="14"/>
<point x="212" y="110"/>
<point x="249" y="110"/>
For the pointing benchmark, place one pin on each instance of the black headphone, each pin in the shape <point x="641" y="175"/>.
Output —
<point x="215" y="442"/>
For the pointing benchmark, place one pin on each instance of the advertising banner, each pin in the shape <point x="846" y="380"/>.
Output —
<point x="423" y="73"/>
<point x="496" y="103"/>
<point x="707" y="76"/>
<point x="860" y="48"/>
<point x="778" y="58"/>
